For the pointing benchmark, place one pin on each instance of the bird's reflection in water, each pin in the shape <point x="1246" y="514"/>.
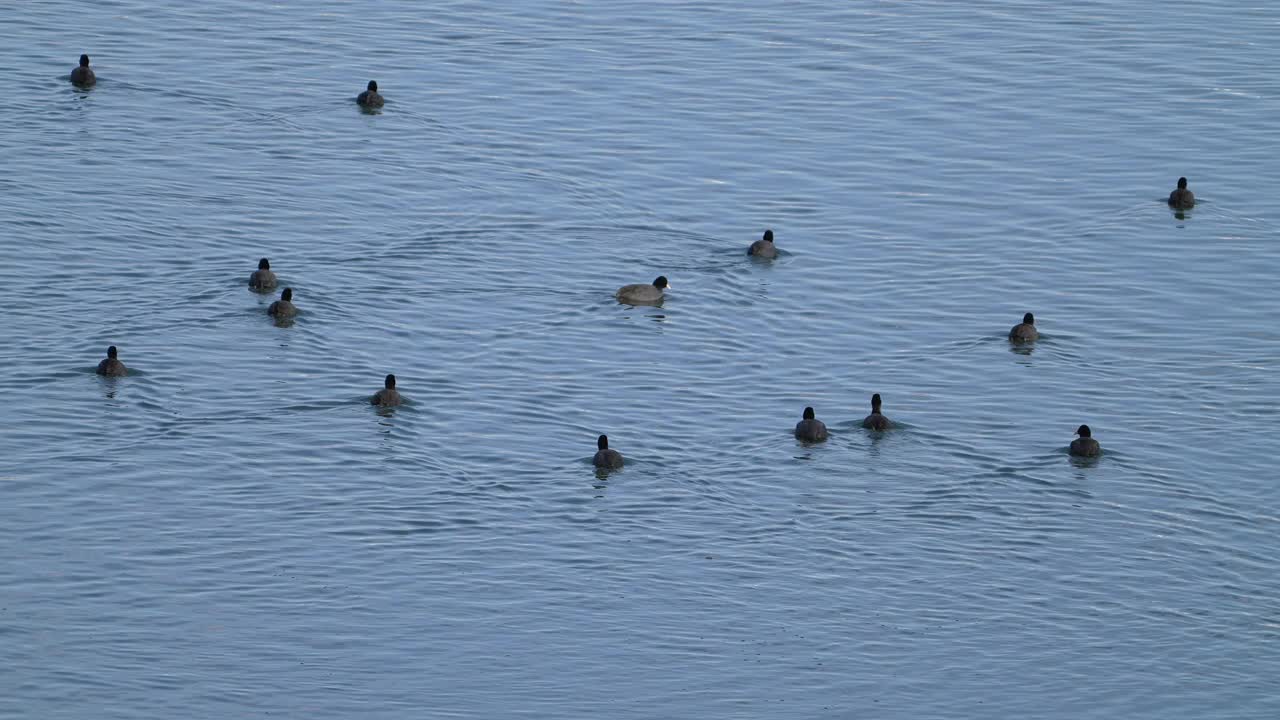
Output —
<point x="877" y="436"/>
<point x="601" y="482"/>
<point x="109" y="386"/>
<point x="1082" y="463"/>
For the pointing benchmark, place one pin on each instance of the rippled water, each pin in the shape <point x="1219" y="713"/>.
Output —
<point x="232" y="531"/>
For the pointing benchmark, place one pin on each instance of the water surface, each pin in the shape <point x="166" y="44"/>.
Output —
<point x="232" y="530"/>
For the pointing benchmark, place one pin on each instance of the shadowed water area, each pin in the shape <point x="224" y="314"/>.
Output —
<point x="232" y="530"/>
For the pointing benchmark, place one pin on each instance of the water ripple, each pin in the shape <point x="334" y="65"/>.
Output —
<point x="233" y="526"/>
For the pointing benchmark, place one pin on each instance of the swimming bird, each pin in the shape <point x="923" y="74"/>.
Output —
<point x="283" y="307"/>
<point x="1085" y="445"/>
<point x="262" y="278"/>
<point x="1182" y="198"/>
<point x="605" y="457"/>
<point x="83" y="76"/>
<point x="388" y="395"/>
<point x="810" y="429"/>
<point x="763" y="248"/>
<point x="370" y="97"/>
<point x="641" y="294"/>
<point x="876" y="421"/>
<point x="111" y="366"/>
<point x="1024" y="331"/>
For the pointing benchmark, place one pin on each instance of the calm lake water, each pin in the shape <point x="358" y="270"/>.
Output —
<point x="232" y="531"/>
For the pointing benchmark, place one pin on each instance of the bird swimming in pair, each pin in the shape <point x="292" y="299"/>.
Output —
<point x="283" y="307"/>
<point x="262" y="278"/>
<point x="876" y="420"/>
<point x="810" y="429"/>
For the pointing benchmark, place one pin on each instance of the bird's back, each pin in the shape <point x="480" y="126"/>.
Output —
<point x="1182" y="199"/>
<point x="876" y="421"/>
<point x="811" y="430"/>
<point x="607" y="458"/>
<point x="112" y="367"/>
<point x="262" y="279"/>
<point x="639" y="292"/>
<point x="386" y="397"/>
<point x="1023" y="332"/>
<point x="1085" y="447"/>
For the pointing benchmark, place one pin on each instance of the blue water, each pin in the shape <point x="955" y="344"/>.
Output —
<point x="232" y="531"/>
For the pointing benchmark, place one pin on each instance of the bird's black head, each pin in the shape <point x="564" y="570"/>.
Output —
<point x="1029" y="319"/>
<point x="875" y="402"/>
<point x="808" y="413"/>
<point x="263" y="264"/>
<point x="768" y="235"/>
<point x="661" y="282"/>
<point x="111" y="352"/>
<point x="287" y="295"/>
<point x="84" y="61"/>
<point x="602" y="442"/>
<point x="373" y="86"/>
<point x="390" y="382"/>
<point x="1083" y="431"/>
<point x="1182" y="183"/>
